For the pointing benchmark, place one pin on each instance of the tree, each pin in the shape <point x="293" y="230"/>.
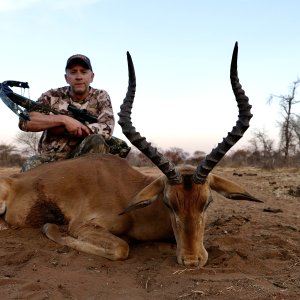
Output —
<point x="296" y="128"/>
<point x="197" y="156"/>
<point x="263" y="151"/>
<point x="28" y="141"/>
<point x="9" y="156"/>
<point x="286" y="103"/>
<point x="239" y="157"/>
<point x="138" y="159"/>
<point x="262" y="143"/>
<point x="176" y="155"/>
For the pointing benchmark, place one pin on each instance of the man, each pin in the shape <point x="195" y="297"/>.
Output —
<point x="63" y="136"/>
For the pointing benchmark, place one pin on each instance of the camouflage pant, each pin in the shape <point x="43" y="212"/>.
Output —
<point x="93" y="143"/>
<point x="118" y="146"/>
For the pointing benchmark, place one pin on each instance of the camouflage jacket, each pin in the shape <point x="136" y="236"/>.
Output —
<point x="97" y="103"/>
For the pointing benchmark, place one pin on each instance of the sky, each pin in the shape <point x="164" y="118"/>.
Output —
<point x="181" y="51"/>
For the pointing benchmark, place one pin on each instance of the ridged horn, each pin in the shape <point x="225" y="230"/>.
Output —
<point x="167" y="167"/>
<point x="242" y="124"/>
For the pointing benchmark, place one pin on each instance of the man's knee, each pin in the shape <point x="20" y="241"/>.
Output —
<point x="118" y="146"/>
<point x="93" y="143"/>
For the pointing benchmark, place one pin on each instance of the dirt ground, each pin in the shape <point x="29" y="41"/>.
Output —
<point x="254" y="253"/>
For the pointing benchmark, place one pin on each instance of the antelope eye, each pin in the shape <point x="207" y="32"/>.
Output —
<point x="209" y="201"/>
<point x="168" y="205"/>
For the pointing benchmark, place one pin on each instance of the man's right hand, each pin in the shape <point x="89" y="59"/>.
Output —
<point x="75" y="128"/>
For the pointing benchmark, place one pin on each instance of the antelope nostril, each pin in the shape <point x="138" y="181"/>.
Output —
<point x="193" y="261"/>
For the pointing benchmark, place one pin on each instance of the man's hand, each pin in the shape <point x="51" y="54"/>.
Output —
<point x="76" y="128"/>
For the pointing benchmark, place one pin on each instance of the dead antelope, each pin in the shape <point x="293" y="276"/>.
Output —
<point x="96" y="197"/>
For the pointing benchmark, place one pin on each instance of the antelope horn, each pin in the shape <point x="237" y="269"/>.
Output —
<point x="167" y="167"/>
<point x="242" y="124"/>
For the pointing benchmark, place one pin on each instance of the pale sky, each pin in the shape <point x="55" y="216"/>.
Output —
<point x="181" y="51"/>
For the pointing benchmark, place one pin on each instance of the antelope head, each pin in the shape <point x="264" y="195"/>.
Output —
<point x="186" y="191"/>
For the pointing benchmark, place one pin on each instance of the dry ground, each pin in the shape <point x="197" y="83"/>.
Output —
<point x="253" y="251"/>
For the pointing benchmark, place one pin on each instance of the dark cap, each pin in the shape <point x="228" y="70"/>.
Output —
<point x="80" y="59"/>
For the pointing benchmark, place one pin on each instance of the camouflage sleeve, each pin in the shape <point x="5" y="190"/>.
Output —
<point x="43" y="99"/>
<point x="106" y="121"/>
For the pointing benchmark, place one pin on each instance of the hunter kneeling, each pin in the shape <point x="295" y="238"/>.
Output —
<point x="64" y="136"/>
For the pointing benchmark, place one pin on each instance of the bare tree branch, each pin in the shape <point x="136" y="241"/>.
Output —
<point x="28" y="141"/>
<point x="287" y="133"/>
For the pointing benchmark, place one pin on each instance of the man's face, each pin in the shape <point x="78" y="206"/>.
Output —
<point x="79" y="79"/>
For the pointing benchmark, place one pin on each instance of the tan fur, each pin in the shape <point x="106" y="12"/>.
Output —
<point x="88" y="194"/>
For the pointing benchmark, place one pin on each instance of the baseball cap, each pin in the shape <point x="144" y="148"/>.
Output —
<point x="81" y="59"/>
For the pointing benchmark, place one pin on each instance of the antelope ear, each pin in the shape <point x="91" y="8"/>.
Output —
<point x="147" y="195"/>
<point x="229" y="189"/>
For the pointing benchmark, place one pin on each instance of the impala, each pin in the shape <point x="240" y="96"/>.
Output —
<point x="90" y="203"/>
